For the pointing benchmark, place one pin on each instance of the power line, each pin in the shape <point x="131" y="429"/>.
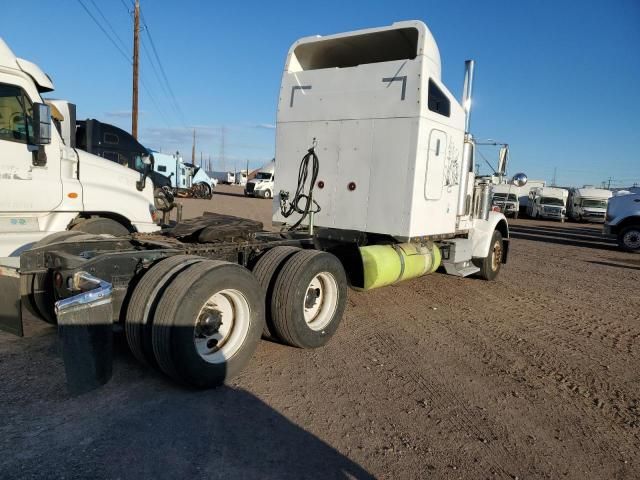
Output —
<point x="176" y="105"/>
<point x="115" y="34"/>
<point x="128" y="59"/>
<point x="104" y="31"/>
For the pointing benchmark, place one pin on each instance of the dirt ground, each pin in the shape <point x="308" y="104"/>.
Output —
<point x="535" y="375"/>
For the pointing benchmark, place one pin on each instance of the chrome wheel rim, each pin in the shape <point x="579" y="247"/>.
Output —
<point x="496" y="256"/>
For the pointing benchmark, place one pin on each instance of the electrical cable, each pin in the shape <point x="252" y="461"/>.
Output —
<point x="303" y="174"/>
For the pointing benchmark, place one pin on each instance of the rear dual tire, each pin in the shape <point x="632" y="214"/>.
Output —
<point x="198" y="320"/>
<point x="306" y="292"/>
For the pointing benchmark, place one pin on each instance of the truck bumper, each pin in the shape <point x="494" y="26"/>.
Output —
<point x="86" y="331"/>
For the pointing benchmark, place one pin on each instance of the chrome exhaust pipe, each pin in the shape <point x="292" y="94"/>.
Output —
<point x="467" y="92"/>
<point x="468" y="148"/>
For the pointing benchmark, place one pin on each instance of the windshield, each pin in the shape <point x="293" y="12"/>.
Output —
<point x="503" y="196"/>
<point x="551" y="201"/>
<point x="594" y="203"/>
<point x="263" y="176"/>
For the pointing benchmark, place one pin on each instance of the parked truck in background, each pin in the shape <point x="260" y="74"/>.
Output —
<point x="622" y="220"/>
<point x="117" y="145"/>
<point x="588" y="204"/>
<point x="185" y="179"/>
<point x="548" y="203"/>
<point x="505" y="197"/>
<point x="194" y="299"/>
<point x="48" y="186"/>
<point x="262" y="184"/>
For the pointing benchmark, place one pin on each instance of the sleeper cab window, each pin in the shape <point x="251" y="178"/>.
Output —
<point x="162" y="168"/>
<point x="438" y="101"/>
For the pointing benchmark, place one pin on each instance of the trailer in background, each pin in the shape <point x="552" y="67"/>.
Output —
<point x="226" y="178"/>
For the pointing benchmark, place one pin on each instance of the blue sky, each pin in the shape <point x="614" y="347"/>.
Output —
<point x="558" y="80"/>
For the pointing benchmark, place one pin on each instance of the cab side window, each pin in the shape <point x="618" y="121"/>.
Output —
<point x="15" y="114"/>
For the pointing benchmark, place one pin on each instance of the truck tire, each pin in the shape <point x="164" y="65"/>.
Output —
<point x="100" y="225"/>
<point x="208" y="323"/>
<point x="490" y="265"/>
<point x="267" y="194"/>
<point x="36" y="297"/>
<point x="144" y="300"/>
<point x="266" y="271"/>
<point x="309" y="298"/>
<point x="629" y="239"/>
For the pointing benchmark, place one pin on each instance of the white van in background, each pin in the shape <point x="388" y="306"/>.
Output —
<point x="588" y="204"/>
<point x="548" y="203"/>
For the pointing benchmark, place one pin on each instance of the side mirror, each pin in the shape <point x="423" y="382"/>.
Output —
<point x="41" y="124"/>
<point x="519" y="180"/>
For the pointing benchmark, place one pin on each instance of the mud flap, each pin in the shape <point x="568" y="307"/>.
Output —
<point x="10" y="304"/>
<point x="86" y="332"/>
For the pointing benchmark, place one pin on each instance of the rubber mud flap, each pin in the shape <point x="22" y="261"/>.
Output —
<point x="86" y="333"/>
<point x="10" y="302"/>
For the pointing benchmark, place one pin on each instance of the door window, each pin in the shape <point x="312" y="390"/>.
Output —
<point x="15" y="114"/>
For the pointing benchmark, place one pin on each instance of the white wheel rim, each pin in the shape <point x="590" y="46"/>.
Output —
<point x="222" y="326"/>
<point x="321" y="301"/>
<point x="632" y="239"/>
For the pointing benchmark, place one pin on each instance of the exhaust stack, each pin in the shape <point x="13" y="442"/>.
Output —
<point x="467" y="92"/>
<point x="468" y="149"/>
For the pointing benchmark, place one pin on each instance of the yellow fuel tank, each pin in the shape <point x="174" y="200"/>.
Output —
<point x="387" y="264"/>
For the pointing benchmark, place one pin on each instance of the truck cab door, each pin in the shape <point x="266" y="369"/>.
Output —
<point x="26" y="189"/>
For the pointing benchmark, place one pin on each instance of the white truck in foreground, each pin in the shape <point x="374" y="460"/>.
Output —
<point x="588" y="204"/>
<point x="622" y="220"/>
<point x="262" y="185"/>
<point x="375" y="186"/>
<point x="548" y="203"/>
<point x="47" y="186"/>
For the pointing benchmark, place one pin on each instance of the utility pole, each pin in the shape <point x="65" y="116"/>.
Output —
<point x="136" y="45"/>
<point x="201" y="158"/>
<point x="609" y="183"/>
<point x="193" y="148"/>
<point x="555" y="172"/>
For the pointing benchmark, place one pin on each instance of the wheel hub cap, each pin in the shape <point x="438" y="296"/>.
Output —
<point x="321" y="301"/>
<point x="221" y="326"/>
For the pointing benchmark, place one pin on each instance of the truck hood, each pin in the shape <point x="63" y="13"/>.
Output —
<point x="110" y="187"/>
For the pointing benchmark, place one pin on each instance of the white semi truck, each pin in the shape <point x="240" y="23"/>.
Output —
<point x="262" y="185"/>
<point x="548" y="203"/>
<point x="588" y="204"/>
<point x="622" y="220"/>
<point x="375" y="186"/>
<point x="47" y="186"/>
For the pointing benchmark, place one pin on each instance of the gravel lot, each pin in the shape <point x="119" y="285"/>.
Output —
<point x="535" y="375"/>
